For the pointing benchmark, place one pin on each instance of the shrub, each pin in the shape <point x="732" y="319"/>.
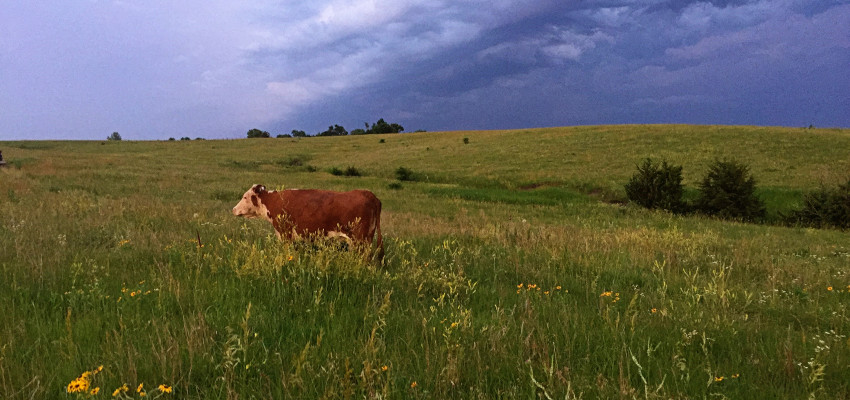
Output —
<point x="728" y="191"/>
<point x="394" y="186"/>
<point x="824" y="208"/>
<point x="351" y="171"/>
<point x="657" y="186"/>
<point x="292" y="161"/>
<point x="256" y="133"/>
<point x="404" y="174"/>
<point x="466" y="140"/>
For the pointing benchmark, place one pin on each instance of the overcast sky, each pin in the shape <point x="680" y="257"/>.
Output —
<point x="153" y="69"/>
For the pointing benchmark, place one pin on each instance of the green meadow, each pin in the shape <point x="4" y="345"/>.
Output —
<point x="514" y="269"/>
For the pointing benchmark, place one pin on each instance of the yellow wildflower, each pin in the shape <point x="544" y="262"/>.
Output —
<point x="413" y="385"/>
<point x="95" y="390"/>
<point x="736" y="376"/>
<point x="164" y="389"/>
<point x="546" y="292"/>
<point x="718" y="379"/>
<point x="829" y="288"/>
<point x="558" y="287"/>
<point x="139" y="389"/>
<point x="124" y="388"/>
<point x="654" y="310"/>
<point x="606" y="294"/>
<point x="519" y="286"/>
<point x="384" y="368"/>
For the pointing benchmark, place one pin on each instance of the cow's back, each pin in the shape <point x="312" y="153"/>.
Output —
<point x="355" y="213"/>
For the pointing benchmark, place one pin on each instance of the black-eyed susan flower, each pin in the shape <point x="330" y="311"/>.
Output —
<point x="413" y="385"/>
<point x="123" y="389"/>
<point x="384" y="368"/>
<point x="718" y="379"/>
<point x="164" y="388"/>
<point x="735" y="376"/>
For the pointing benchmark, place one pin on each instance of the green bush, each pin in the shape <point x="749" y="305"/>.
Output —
<point x="404" y="174"/>
<point x="728" y="191"/>
<point x="657" y="186"/>
<point x="825" y="208"/>
<point x="350" y="171"/>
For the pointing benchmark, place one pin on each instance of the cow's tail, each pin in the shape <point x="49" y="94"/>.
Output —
<point x="379" y="243"/>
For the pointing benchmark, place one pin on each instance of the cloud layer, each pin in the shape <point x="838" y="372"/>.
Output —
<point x="157" y="69"/>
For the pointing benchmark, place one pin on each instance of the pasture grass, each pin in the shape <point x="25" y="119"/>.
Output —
<point x="512" y="271"/>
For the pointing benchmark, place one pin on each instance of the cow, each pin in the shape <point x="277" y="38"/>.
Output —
<point x="354" y="216"/>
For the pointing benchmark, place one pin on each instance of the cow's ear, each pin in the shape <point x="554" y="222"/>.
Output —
<point x="259" y="189"/>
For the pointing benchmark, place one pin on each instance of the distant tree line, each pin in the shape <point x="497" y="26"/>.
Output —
<point x="380" y="127"/>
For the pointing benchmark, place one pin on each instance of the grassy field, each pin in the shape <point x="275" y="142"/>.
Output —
<point x="513" y="270"/>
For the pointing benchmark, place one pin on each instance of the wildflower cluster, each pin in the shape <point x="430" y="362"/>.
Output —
<point x="615" y="297"/>
<point x="82" y="383"/>
<point x="136" y="293"/>
<point x="533" y="287"/>
<point x="124" y="242"/>
<point x="124" y="392"/>
<point x="721" y="378"/>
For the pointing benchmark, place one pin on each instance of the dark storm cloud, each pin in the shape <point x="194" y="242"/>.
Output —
<point x="156" y="69"/>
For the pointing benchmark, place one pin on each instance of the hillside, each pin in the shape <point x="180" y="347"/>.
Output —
<point x="513" y="270"/>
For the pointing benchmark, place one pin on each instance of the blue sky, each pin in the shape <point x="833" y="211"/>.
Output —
<point x="155" y="69"/>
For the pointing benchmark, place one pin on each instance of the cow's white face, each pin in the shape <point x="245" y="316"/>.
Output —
<point x="250" y="206"/>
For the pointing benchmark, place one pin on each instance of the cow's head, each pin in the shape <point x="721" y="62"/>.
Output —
<point x="250" y="206"/>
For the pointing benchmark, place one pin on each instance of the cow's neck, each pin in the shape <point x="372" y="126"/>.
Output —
<point x="271" y="206"/>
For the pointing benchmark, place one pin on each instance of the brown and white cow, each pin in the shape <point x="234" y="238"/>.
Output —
<point x="354" y="215"/>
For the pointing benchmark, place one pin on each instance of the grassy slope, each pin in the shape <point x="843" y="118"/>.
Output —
<point x="85" y="224"/>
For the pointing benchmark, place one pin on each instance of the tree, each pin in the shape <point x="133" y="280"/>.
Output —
<point x="335" y="130"/>
<point x="256" y="133"/>
<point x="296" y="133"/>
<point x="657" y="186"/>
<point x="114" y="136"/>
<point x="285" y="135"/>
<point x="729" y="191"/>
<point x="383" y="127"/>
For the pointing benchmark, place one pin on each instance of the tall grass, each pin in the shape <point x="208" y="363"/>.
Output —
<point x="125" y="255"/>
